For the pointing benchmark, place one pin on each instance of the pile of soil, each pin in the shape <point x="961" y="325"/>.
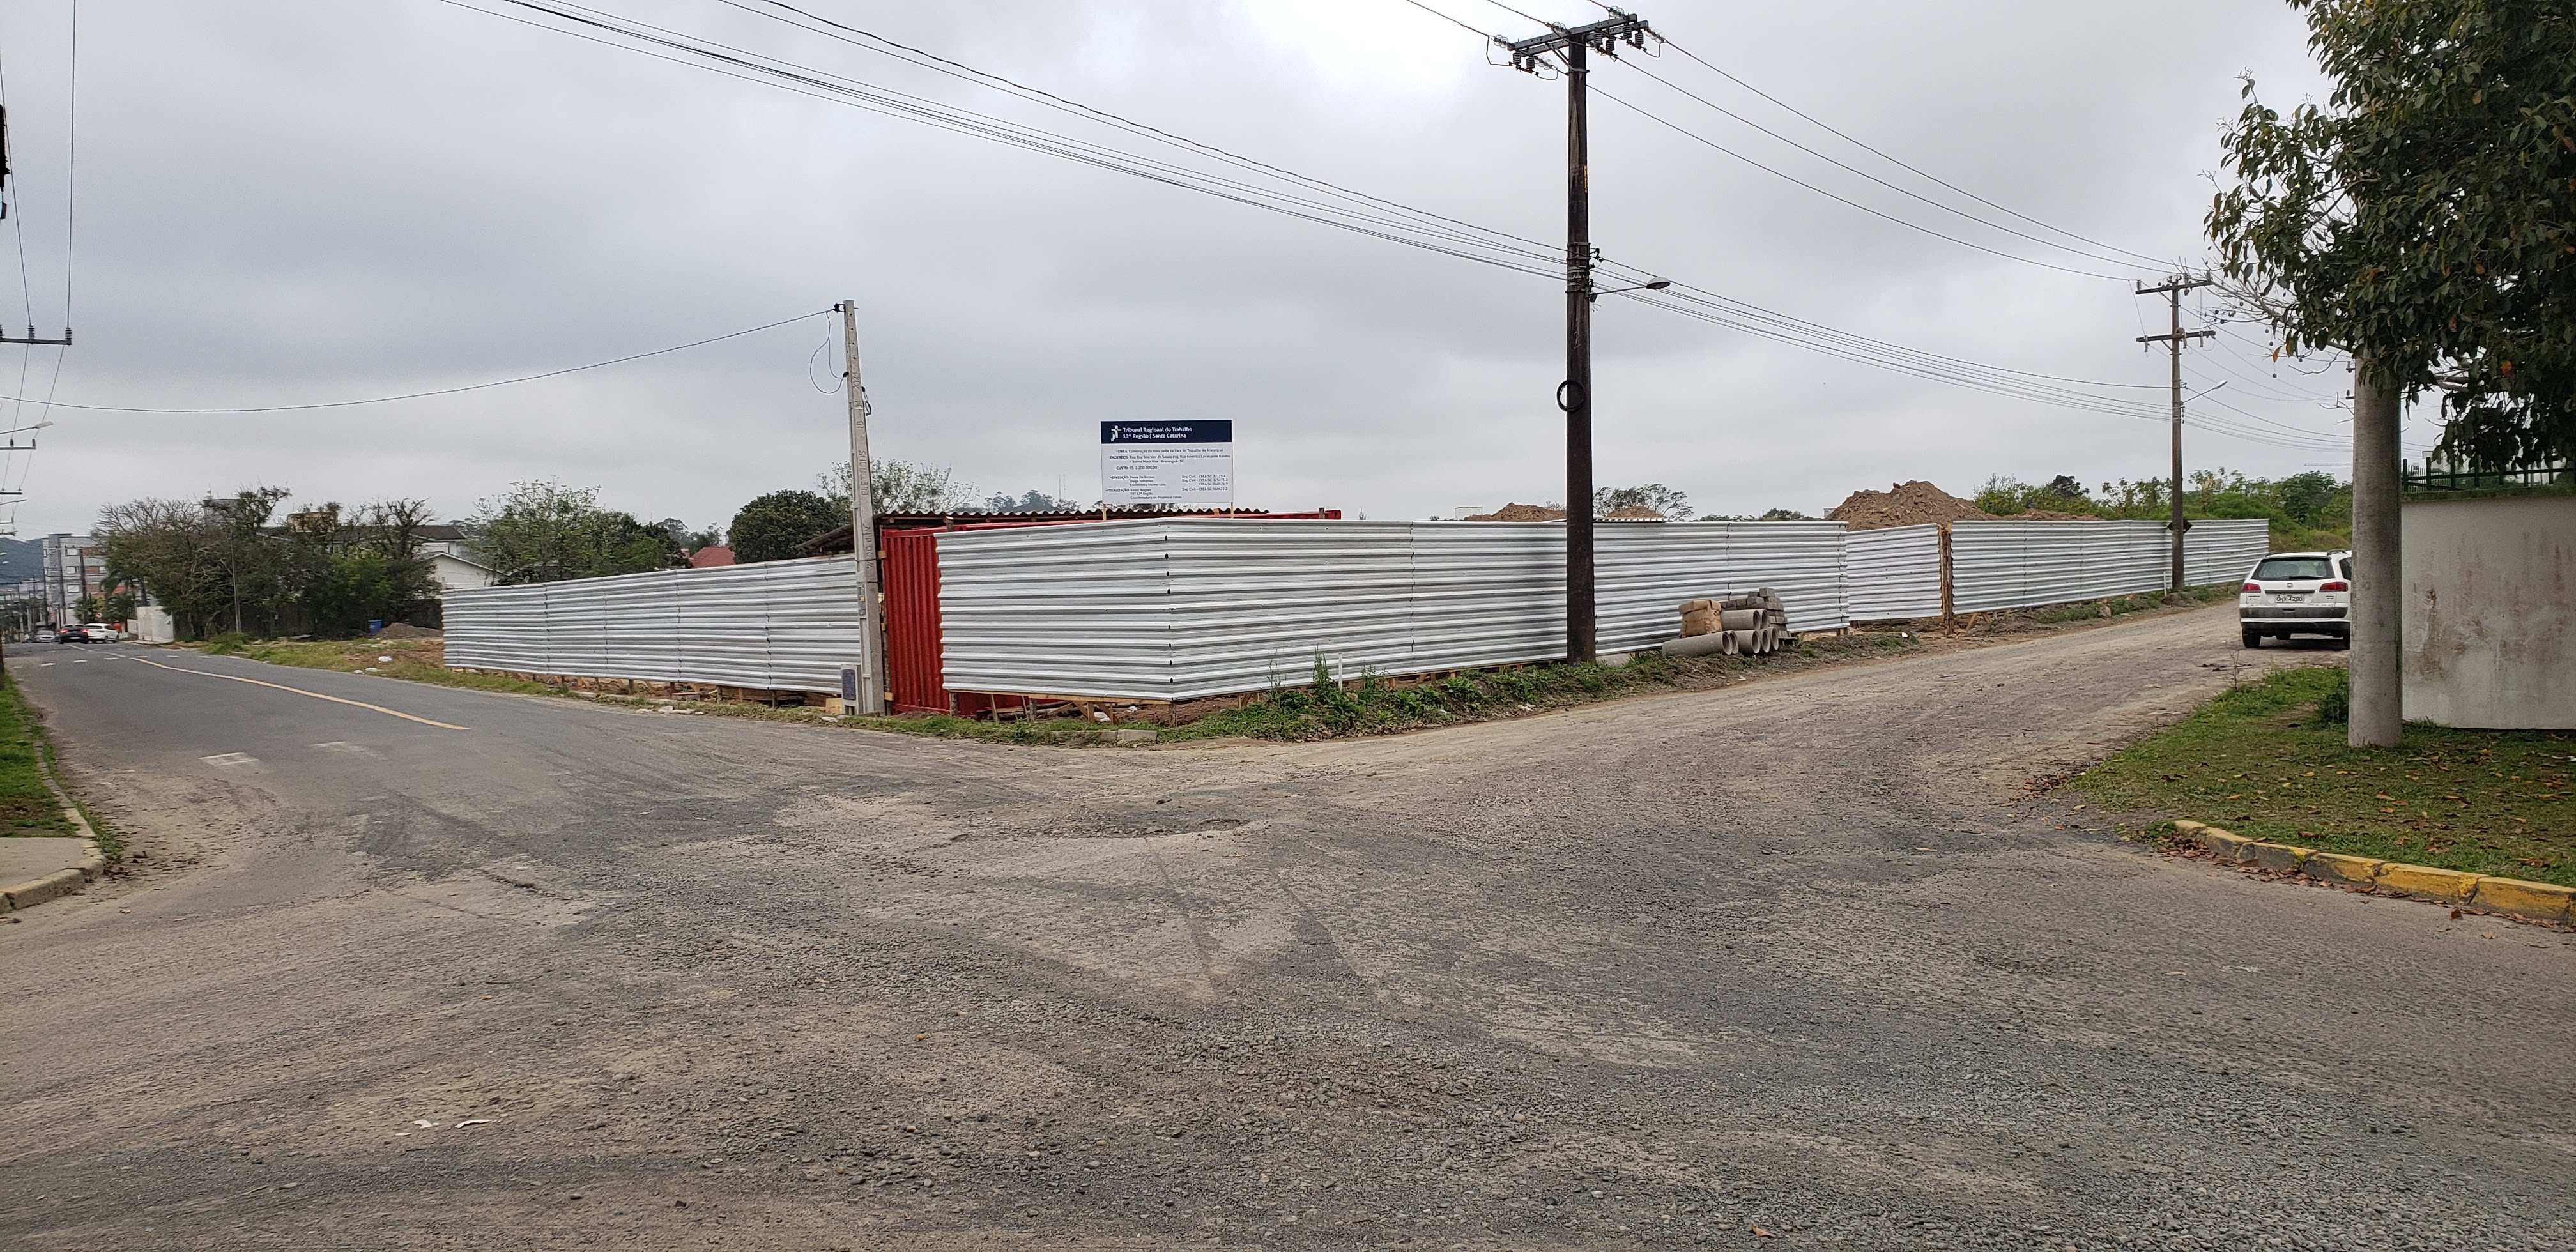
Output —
<point x="1632" y="513"/>
<point x="405" y="630"/>
<point x="1521" y="513"/>
<point x="1903" y="504"/>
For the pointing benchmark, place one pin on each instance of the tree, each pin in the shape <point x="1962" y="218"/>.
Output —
<point x="1032" y="501"/>
<point x="2421" y="220"/>
<point x="900" y="487"/>
<point x="1656" y="496"/>
<point x="776" y="526"/>
<point x="174" y="550"/>
<point x="547" y="532"/>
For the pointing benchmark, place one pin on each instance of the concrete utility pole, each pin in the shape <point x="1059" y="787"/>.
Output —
<point x="863" y="520"/>
<point x="2378" y="569"/>
<point x="1570" y="46"/>
<point x="2172" y="290"/>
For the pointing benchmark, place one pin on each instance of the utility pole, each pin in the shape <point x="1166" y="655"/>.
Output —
<point x="863" y="520"/>
<point x="1570" y="46"/>
<point x="2378" y="569"/>
<point x="2172" y="290"/>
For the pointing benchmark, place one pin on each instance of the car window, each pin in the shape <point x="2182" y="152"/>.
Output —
<point x="2345" y="565"/>
<point x="2283" y="568"/>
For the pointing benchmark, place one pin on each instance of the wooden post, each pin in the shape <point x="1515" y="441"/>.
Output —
<point x="1949" y="610"/>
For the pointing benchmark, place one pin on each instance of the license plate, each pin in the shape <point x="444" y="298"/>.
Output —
<point x="2289" y="597"/>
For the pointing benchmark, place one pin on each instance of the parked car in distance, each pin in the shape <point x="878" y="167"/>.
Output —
<point x="49" y="635"/>
<point x="104" y="632"/>
<point x="2297" y="593"/>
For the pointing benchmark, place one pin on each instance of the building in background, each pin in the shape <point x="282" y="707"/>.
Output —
<point x="452" y="560"/>
<point x="75" y="569"/>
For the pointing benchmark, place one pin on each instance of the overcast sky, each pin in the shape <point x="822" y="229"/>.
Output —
<point x="301" y="201"/>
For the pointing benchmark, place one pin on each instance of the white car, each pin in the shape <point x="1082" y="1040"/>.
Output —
<point x="2297" y="593"/>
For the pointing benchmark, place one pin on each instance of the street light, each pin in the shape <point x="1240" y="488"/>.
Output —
<point x="1657" y="285"/>
<point x="38" y="426"/>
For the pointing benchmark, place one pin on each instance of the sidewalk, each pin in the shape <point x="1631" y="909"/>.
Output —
<point x="36" y="870"/>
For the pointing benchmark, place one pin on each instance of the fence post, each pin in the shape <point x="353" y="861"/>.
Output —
<point x="1949" y="604"/>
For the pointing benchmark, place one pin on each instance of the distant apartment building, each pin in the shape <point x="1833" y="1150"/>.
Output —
<point x="75" y="569"/>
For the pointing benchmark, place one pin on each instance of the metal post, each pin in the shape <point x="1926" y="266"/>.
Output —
<point x="1576" y="395"/>
<point x="2378" y="572"/>
<point x="863" y="521"/>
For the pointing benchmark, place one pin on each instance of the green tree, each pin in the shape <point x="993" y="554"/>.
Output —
<point x="776" y="526"/>
<point x="175" y="550"/>
<point x="546" y="532"/>
<point x="2421" y="219"/>
<point x="900" y="487"/>
<point x="1662" y="499"/>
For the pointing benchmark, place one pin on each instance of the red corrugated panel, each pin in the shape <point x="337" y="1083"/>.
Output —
<point x="910" y="571"/>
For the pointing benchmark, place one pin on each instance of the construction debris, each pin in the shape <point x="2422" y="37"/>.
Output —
<point x="1520" y="513"/>
<point x="1754" y="624"/>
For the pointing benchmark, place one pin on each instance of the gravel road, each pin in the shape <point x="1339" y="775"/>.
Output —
<point x="1815" y="960"/>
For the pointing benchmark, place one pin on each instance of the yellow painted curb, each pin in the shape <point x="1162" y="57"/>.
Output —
<point x="2537" y="901"/>
<point x="2544" y="900"/>
<point x="2351" y="871"/>
<point x="2449" y="886"/>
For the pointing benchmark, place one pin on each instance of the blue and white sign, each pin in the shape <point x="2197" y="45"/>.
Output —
<point x="1167" y="463"/>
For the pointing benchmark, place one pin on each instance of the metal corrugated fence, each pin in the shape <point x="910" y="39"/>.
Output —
<point x="1894" y="573"/>
<point x="781" y="625"/>
<point x="2015" y="564"/>
<point x="1180" y="608"/>
<point x="1173" y="610"/>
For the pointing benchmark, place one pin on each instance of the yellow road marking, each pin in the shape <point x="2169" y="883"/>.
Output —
<point x="207" y="673"/>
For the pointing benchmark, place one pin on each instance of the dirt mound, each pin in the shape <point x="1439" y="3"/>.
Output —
<point x="1903" y="504"/>
<point x="1632" y="513"/>
<point x="1521" y="513"/>
<point x="405" y="630"/>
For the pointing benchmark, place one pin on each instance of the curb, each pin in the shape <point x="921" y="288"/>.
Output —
<point x="61" y="882"/>
<point x="2515" y="897"/>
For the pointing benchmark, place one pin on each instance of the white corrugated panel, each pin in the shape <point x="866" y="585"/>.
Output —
<point x="1177" y="609"/>
<point x="781" y="625"/>
<point x="1893" y="573"/>
<point x="1987" y="566"/>
<point x="2224" y="549"/>
<point x="1646" y="569"/>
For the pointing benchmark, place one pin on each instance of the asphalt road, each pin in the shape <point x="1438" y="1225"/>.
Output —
<point x="1809" y="955"/>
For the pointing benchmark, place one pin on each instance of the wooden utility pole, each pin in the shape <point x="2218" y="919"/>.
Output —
<point x="2172" y="290"/>
<point x="863" y="520"/>
<point x="1569" y="47"/>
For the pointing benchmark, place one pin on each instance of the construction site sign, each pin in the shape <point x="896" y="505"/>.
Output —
<point x="1167" y="463"/>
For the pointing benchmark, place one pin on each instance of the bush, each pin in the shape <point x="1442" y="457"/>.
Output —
<point x="2334" y="708"/>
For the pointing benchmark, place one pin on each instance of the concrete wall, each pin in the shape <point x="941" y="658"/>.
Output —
<point x="2490" y="595"/>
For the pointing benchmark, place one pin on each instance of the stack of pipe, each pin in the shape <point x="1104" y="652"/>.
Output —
<point x="1753" y="624"/>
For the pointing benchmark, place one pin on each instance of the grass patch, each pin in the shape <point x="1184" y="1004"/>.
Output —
<point x="414" y="660"/>
<point x="2122" y="606"/>
<point x="2268" y="760"/>
<point x="1373" y="705"/>
<point x="27" y="806"/>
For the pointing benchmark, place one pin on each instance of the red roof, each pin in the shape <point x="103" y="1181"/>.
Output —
<point x="712" y="554"/>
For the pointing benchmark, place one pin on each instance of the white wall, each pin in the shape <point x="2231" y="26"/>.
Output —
<point x="2490" y="593"/>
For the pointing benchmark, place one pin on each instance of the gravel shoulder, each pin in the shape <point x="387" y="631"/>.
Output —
<point x="1825" y="954"/>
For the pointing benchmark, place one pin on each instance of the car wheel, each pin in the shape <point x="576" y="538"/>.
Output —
<point x="2253" y="638"/>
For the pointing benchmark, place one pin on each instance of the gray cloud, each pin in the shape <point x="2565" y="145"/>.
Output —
<point x="288" y="202"/>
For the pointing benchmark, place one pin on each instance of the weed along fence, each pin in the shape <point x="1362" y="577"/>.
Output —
<point x="777" y="626"/>
<point x="1900" y="573"/>
<point x="1170" y="609"/>
<point x="1181" y="609"/>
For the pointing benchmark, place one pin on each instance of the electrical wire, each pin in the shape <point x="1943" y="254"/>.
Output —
<point x="1860" y="173"/>
<point x="1918" y="172"/>
<point x="1462" y="25"/>
<point x="1688" y="133"/>
<point x="443" y="391"/>
<point x="1318" y="201"/>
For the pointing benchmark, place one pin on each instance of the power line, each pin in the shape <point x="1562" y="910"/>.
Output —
<point x="1688" y="133"/>
<point x="1315" y="201"/>
<point x="1918" y="172"/>
<point x="443" y="391"/>
<point x="1860" y="173"/>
